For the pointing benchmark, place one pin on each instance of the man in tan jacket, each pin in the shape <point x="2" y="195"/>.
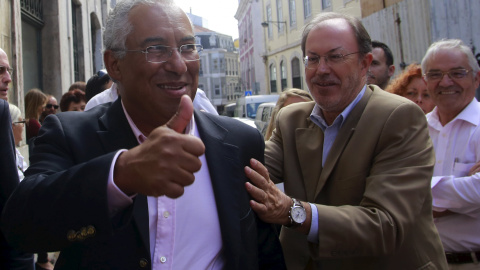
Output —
<point x="356" y="165"/>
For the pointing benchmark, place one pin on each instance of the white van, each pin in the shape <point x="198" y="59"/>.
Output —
<point x="264" y="113"/>
<point x="247" y="106"/>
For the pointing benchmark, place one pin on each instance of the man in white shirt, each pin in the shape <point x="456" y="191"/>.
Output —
<point x="452" y="75"/>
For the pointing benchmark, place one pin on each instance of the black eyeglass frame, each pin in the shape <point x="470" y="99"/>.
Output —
<point x="49" y="106"/>
<point x="20" y="122"/>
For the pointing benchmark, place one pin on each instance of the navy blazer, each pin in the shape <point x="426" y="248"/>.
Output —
<point x="9" y="258"/>
<point x="68" y="176"/>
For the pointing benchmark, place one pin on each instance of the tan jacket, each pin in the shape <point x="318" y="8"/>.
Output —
<point x="373" y="195"/>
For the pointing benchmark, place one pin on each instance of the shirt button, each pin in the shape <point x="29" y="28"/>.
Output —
<point x="163" y="259"/>
<point x="166" y="214"/>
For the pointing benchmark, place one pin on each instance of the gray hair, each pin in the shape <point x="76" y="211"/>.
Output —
<point x="364" y="41"/>
<point x="15" y="112"/>
<point x="454" y="44"/>
<point x="118" y="26"/>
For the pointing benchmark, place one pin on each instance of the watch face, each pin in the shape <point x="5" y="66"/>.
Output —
<point x="299" y="215"/>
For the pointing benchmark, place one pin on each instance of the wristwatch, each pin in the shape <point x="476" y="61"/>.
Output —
<point x="297" y="214"/>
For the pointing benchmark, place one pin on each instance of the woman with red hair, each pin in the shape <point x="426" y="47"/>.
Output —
<point x="411" y="85"/>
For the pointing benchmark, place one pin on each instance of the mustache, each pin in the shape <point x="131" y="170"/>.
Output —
<point x="324" y="78"/>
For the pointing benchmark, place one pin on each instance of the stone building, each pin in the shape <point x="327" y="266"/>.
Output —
<point x="270" y="36"/>
<point x="51" y="43"/>
<point x="219" y="66"/>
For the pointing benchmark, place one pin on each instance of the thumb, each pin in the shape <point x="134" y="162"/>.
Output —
<point x="182" y="117"/>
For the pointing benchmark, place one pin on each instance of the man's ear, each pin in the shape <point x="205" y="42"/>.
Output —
<point x="112" y="65"/>
<point x="366" y="62"/>
<point x="391" y="70"/>
<point x="476" y="79"/>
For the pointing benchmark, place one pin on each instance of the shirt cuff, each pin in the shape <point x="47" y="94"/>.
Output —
<point x="117" y="200"/>
<point x="313" y="234"/>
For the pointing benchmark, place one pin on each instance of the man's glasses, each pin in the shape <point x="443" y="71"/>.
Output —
<point x="19" y="123"/>
<point x="49" y="106"/>
<point x="312" y="62"/>
<point x="161" y="54"/>
<point x="4" y="70"/>
<point x="458" y="73"/>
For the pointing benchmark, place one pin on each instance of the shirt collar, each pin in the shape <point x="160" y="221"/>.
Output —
<point x="139" y="135"/>
<point x="317" y="117"/>
<point x="470" y="114"/>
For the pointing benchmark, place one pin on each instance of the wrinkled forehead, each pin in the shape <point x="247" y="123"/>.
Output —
<point x="447" y="58"/>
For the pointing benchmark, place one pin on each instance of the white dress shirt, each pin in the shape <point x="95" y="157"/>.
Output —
<point x="457" y="149"/>
<point x="184" y="232"/>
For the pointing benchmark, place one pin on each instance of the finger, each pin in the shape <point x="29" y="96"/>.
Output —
<point x="193" y="145"/>
<point x="474" y="169"/>
<point x="183" y="115"/>
<point x="258" y="208"/>
<point x="256" y="178"/>
<point x="260" y="169"/>
<point x="257" y="193"/>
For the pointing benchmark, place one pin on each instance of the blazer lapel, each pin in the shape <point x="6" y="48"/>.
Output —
<point x="224" y="165"/>
<point x="309" y="142"/>
<point x="116" y="133"/>
<point x="342" y="139"/>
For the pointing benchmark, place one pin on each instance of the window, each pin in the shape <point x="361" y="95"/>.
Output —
<point x="326" y="4"/>
<point x="217" y="89"/>
<point x="269" y="18"/>
<point x="293" y="13"/>
<point x="273" y="79"/>
<point x="32" y="24"/>
<point x="307" y="8"/>
<point x="283" y="74"/>
<point x="296" y="76"/>
<point x="281" y="26"/>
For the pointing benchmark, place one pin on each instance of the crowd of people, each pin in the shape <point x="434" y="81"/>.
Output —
<point x="379" y="172"/>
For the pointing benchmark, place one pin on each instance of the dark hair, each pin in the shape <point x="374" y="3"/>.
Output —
<point x="78" y="85"/>
<point x="386" y="51"/>
<point x="361" y="35"/>
<point x="96" y="84"/>
<point x="74" y="96"/>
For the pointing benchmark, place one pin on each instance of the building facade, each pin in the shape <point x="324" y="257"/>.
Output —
<point x="408" y="27"/>
<point x="251" y="47"/>
<point x="51" y="43"/>
<point x="219" y="67"/>
<point x="277" y="50"/>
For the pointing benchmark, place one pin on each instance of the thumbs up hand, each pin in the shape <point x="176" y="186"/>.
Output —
<point x="166" y="162"/>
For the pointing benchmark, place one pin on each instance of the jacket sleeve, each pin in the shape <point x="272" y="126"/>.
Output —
<point x="62" y="199"/>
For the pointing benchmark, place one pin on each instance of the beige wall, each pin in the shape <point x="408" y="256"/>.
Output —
<point x="286" y="45"/>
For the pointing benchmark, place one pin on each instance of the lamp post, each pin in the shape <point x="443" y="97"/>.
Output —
<point x="266" y="23"/>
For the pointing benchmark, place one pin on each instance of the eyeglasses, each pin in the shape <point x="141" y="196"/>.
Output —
<point x="49" y="106"/>
<point x="434" y="76"/>
<point x="161" y="54"/>
<point x="312" y="62"/>
<point x="4" y="70"/>
<point x="18" y="123"/>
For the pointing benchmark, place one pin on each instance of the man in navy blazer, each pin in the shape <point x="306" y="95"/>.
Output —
<point x="9" y="257"/>
<point x="144" y="182"/>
